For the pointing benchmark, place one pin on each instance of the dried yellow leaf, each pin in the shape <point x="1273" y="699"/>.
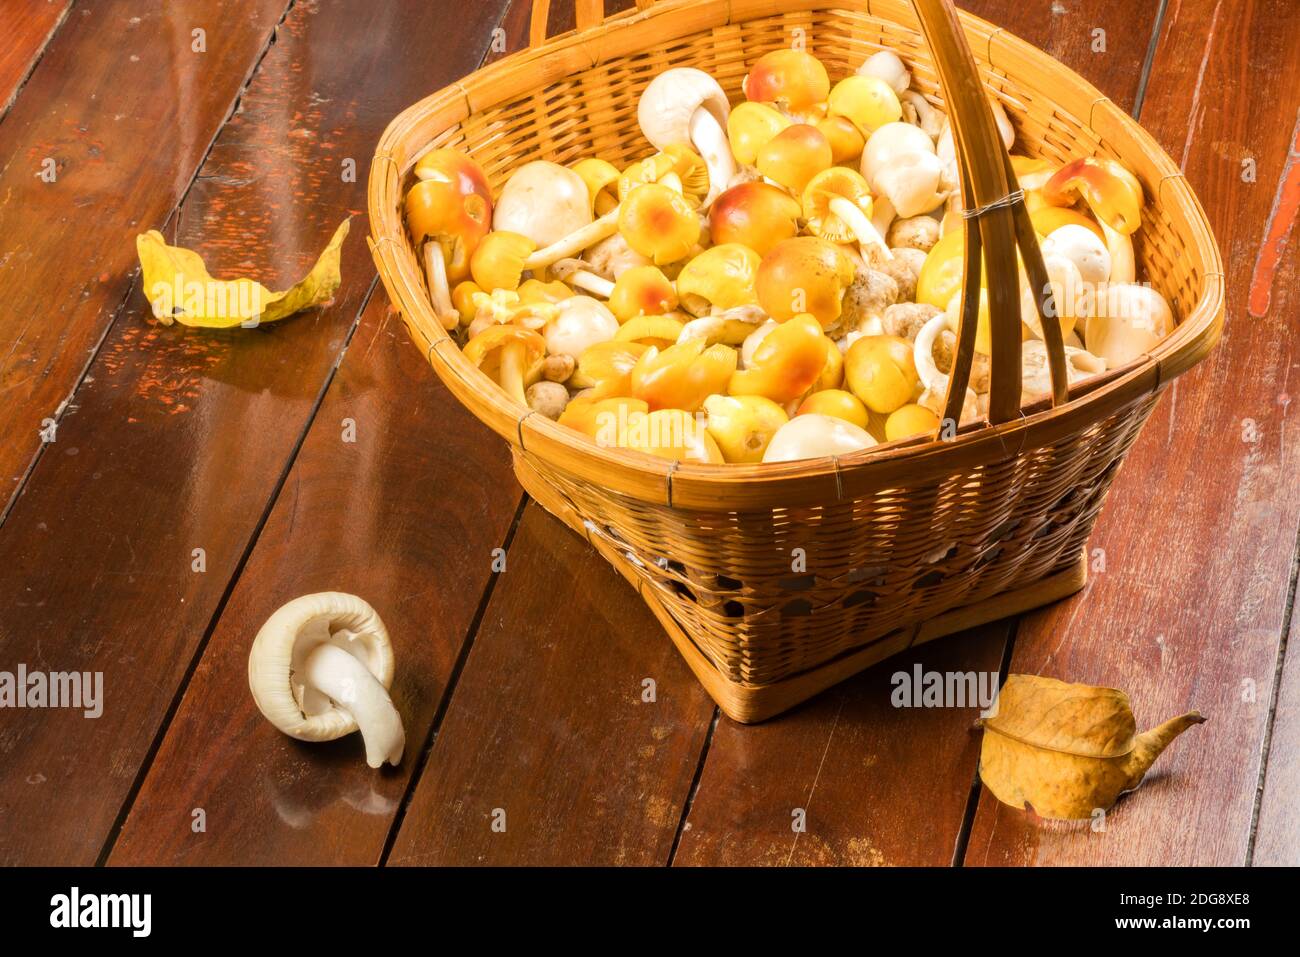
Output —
<point x="1067" y="750"/>
<point x="180" y="289"/>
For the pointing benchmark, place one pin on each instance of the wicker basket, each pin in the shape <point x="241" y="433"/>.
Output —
<point x="777" y="581"/>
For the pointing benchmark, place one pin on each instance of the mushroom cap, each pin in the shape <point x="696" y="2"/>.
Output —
<point x="580" y="323"/>
<point x="658" y="223"/>
<point x="814" y="435"/>
<point x="743" y="425"/>
<point x="829" y="184"/>
<point x="836" y="403"/>
<point x="721" y="276"/>
<point x="293" y="632"/>
<point x="543" y="201"/>
<point x="484" y="347"/>
<point x="642" y="291"/>
<point x="794" y="80"/>
<point x="1127" y="322"/>
<point x="804" y="275"/>
<point x="451" y="201"/>
<point x="498" y="262"/>
<point x="755" y="214"/>
<point x="671" y="99"/>
<point x="889" y="142"/>
<point x="751" y="126"/>
<point x="753" y="341"/>
<point x="881" y="371"/>
<point x="912" y="182"/>
<point x="794" y="156"/>
<point x="1082" y="247"/>
<point x="867" y="101"/>
<point x="601" y="178"/>
<point x="846" y="139"/>
<point x="886" y="65"/>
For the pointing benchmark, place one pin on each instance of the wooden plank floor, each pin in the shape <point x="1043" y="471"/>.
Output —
<point x="323" y="454"/>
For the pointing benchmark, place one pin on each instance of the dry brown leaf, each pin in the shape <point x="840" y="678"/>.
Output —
<point x="1067" y="750"/>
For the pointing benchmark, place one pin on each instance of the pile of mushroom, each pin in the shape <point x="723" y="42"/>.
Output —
<point x="774" y="279"/>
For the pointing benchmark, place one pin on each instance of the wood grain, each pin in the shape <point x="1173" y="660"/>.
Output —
<point x="1199" y="533"/>
<point x="180" y="437"/>
<point x="877" y="785"/>
<point x="122" y="155"/>
<point x="885" y="786"/>
<point x="548" y="724"/>
<point x="406" y="516"/>
<point x="29" y="25"/>
<point x="1277" y="834"/>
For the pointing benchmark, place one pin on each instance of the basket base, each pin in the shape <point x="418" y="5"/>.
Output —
<point x="749" y="703"/>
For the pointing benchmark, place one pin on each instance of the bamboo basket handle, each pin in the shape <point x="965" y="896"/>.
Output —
<point x="589" y="13"/>
<point x="996" y="224"/>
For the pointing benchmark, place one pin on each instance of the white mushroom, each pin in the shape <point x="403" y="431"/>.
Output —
<point x="685" y="106"/>
<point x="1036" y="375"/>
<point x="1127" y="322"/>
<point x="576" y="273"/>
<point x="885" y="65"/>
<point x="899" y="162"/>
<point x="580" y="322"/>
<point x="543" y="201"/>
<point x="812" y="435"/>
<point x="611" y="257"/>
<point x="1080" y="245"/>
<point x="320" y="669"/>
<point x="548" y="398"/>
<point x="922" y="113"/>
<point x="914" y="232"/>
<point x="935" y="382"/>
<point x="1068" y="293"/>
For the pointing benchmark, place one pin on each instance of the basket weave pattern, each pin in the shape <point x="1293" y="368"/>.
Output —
<point x="891" y="537"/>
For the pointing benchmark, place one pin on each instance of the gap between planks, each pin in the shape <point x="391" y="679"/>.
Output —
<point x="178" y="696"/>
<point x="170" y="219"/>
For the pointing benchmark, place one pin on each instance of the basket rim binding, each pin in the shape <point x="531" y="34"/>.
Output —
<point x="807" y="482"/>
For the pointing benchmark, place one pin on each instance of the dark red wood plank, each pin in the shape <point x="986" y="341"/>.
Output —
<point x="120" y="112"/>
<point x="1200" y="529"/>
<point x="406" y="517"/>
<point x="547" y="729"/>
<point x="29" y="25"/>
<point x="859" y="773"/>
<point x="880" y="785"/>
<point x="1277" y="834"/>
<point x="180" y="437"/>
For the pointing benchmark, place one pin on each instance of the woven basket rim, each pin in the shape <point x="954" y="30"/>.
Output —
<point x="807" y="481"/>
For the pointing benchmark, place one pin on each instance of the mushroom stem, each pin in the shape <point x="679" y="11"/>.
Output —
<point x="1122" y="265"/>
<point x="710" y="139"/>
<point x="923" y="354"/>
<point x="435" y="271"/>
<point x="332" y="671"/>
<point x="512" y="371"/>
<point x="590" y="282"/>
<point x="574" y="243"/>
<point x="862" y="226"/>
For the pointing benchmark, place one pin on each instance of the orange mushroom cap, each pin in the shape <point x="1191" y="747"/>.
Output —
<point x="658" y="223"/>
<point x="756" y="214"/>
<point x="794" y="156"/>
<point x="804" y="275"/>
<point x="451" y="202"/>
<point x="1112" y="192"/>
<point x="793" y="80"/>
<point x="786" y="363"/>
